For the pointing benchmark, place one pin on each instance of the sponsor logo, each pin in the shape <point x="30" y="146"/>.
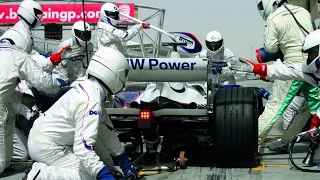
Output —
<point x="219" y="64"/>
<point x="189" y="42"/>
<point x="156" y="64"/>
<point x="92" y="112"/>
<point x="65" y="12"/>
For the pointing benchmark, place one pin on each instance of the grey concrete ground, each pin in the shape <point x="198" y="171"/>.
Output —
<point x="273" y="166"/>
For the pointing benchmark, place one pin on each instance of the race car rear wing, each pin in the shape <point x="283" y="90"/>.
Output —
<point x="168" y="69"/>
<point x="162" y="112"/>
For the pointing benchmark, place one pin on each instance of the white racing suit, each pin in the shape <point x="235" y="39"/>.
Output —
<point x="222" y="59"/>
<point x="292" y="110"/>
<point x="68" y="71"/>
<point x="70" y="140"/>
<point x="109" y="36"/>
<point x="17" y="35"/>
<point x="283" y="33"/>
<point x="75" y="67"/>
<point x="26" y="109"/>
<point x="20" y="67"/>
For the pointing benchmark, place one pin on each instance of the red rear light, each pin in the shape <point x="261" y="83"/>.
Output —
<point x="145" y="115"/>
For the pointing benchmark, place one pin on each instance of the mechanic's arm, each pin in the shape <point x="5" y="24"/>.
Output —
<point x="87" y="118"/>
<point x="283" y="72"/>
<point x="127" y="35"/>
<point x="105" y="29"/>
<point x="271" y="43"/>
<point x="37" y="77"/>
<point x="43" y="62"/>
<point x="229" y="57"/>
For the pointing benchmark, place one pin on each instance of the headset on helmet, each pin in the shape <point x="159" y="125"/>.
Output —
<point x="110" y="67"/>
<point x="80" y="34"/>
<point x="31" y="12"/>
<point x="266" y="7"/>
<point x="311" y="45"/>
<point x="214" y="42"/>
<point x="109" y="13"/>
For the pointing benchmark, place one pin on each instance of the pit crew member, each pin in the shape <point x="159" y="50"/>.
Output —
<point x="305" y="72"/>
<point x="71" y="144"/>
<point x="286" y="28"/>
<point x="108" y="35"/>
<point x="220" y="57"/>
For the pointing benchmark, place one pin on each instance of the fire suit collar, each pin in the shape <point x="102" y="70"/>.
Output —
<point x="23" y="24"/>
<point x="103" y="90"/>
<point x="216" y="57"/>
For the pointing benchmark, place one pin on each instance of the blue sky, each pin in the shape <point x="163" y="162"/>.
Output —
<point x="238" y="20"/>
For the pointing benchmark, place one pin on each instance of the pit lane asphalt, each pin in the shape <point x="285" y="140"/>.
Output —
<point x="274" y="166"/>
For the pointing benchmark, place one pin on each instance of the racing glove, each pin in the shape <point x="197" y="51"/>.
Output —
<point x="105" y="174"/>
<point x="130" y="173"/>
<point x="245" y="65"/>
<point x="264" y="93"/>
<point x="56" y="58"/>
<point x="74" y="51"/>
<point x="314" y="133"/>
<point x="145" y="25"/>
<point x="46" y="54"/>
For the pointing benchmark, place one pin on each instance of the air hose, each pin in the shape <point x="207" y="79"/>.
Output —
<point x="294" y="164"/>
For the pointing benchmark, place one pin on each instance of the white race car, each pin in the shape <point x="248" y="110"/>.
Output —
<point x="176" y="113"/>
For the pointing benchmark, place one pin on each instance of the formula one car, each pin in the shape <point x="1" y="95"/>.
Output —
<point x="177" y="114"/>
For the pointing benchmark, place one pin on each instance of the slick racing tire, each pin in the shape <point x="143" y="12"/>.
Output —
<point x="235" y="126"/>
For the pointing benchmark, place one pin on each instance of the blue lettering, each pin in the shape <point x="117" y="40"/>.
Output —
<point x="175" y="65"/>
<point x="136" y="63"/>
<point x="171" y="65"/>
<point x="92" y="112"/>
<point x="185" y="66"/>
<point x="163" y="65"/>
<point x="153" y="62"/>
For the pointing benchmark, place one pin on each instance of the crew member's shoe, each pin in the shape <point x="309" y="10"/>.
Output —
<point x="279" y="145"/>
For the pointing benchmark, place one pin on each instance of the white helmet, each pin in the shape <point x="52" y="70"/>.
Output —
<point x="311" y="45"/>
<point x="21" y="39"/>
<point x="110" y="67"/>
<point x="80" y="34"/>
<point x="214" y="42"/>
<point x="109" y="13"/>
<point x="31" y="12"/>
<point x="266" y="7"/>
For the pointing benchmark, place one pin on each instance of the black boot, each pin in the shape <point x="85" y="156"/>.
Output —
<point x="9" y="169"/>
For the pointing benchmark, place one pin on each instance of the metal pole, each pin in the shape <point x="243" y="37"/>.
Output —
<point x="158" y="40"/>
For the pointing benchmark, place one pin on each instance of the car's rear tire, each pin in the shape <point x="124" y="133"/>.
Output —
<point x="235" y="126"/>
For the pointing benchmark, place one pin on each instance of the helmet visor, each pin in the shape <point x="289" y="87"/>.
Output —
<point x="38" y="13"/>
<point x="83" y="35"/>
<point x="260" y="6"/>
<point x="113" y="15"/>
<point x="214" y="46"/>
<point x="313" y="53"/>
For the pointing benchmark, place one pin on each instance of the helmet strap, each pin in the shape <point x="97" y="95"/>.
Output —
<point x="101" y="82"/>
<point x="281" y="3"/>
<point x="24" y="20"/>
